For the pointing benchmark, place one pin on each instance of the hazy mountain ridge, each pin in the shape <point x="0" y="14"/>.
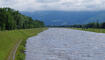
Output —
<point x="66" y="17"/>
<point x="100" y="18"/>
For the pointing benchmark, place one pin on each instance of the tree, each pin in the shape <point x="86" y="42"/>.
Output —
<point x="103" y="25"/>
<point x="11" y="19"/>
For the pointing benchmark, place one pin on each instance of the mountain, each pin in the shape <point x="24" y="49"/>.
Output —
<point x="100" y="18"/>
<point x="67" y="17"/>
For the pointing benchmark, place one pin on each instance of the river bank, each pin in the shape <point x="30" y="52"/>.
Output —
<point x="8" y="39"/>
<point x="91" y="30"/>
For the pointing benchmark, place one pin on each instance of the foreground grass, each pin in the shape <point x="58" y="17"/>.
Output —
<point x="8" y="40"/>
<point x="92" y="30"/>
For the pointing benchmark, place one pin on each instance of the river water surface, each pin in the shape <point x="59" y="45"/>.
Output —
<point x="66" y="44"/>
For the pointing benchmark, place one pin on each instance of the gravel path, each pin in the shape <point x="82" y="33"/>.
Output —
<point x="66" y="44"/>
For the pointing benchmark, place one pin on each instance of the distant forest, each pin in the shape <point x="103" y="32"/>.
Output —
<point x="11" y="19"/>
<point x="89" y="25"/>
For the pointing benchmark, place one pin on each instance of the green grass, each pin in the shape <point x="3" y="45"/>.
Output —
<point x="8" y="40"/>
<point x="92" y="30"/>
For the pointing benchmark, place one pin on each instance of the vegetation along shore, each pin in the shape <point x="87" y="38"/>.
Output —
<point x="15" y="28"/>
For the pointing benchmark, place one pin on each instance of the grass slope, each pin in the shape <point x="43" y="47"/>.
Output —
<point x="8" y="40"/>
<point x="92" y="30"/>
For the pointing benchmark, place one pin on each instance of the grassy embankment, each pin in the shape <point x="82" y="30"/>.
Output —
<point x="92" y="30"/>
<point x="9" y="39"/>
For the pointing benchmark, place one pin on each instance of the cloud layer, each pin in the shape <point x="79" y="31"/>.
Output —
<point x="65" y="5"/>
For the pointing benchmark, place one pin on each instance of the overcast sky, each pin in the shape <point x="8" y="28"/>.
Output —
<point x="65" y="5"/>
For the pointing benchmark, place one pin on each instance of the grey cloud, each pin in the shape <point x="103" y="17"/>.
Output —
<point x="66" y="5"/>
<point x="47" y="1"/>
<point x="91" y="6"/>
<point x="87" y="1"/>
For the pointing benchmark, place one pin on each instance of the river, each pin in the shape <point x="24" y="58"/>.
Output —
<point x="66" y="44"/>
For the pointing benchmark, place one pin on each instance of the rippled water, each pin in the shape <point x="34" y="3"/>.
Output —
<point x="66" y="44"/>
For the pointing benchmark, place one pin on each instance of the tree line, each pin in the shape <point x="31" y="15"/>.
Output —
<point x="11" y="19"/>
<point x="90" y="25"/>
<point x="84" y="26"/>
